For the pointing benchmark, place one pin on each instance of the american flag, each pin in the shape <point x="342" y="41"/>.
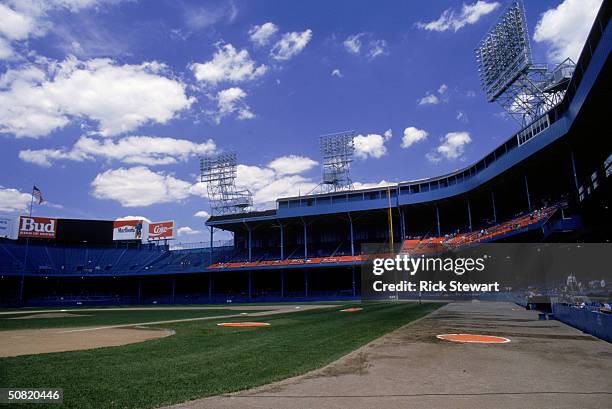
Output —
<point x="37" y="194"/>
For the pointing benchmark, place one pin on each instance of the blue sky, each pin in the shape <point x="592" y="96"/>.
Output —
<point x="106" y="104"/>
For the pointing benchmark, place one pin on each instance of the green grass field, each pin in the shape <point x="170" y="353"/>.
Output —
<point x="98" y="318"/>
<point x="202" y="359"/>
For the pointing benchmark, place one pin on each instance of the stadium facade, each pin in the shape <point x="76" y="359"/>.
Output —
<point x="548" y="182"/>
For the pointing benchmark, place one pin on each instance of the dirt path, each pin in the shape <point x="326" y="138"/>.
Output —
<point x="546" y="365"/>
<point x="40" y="341"/>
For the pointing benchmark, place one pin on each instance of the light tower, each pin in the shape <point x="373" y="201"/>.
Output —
<point x="219" y="174"/>
<point x="337" y="153"/>
<point x="508" y="75"/>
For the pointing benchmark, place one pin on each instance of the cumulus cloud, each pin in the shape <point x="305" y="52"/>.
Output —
<point x="231" y="101"/>
<point x="139" y="187"/>
<point x="442" y="89"/>
<point x="202" y="213"/>
<point x="462" y="117"/>
<point x="428" y="99"/>
<point x="371" y="48"/>
<point x="13" y="201"/>
<point x="261" y="35"/>
<point x="369" y="185"/>
<point x="133" y="218"/>
<point x="413" y="135"/>
<point x="371" y="145"/>
<point x="187" y="231"/>
<point x="455" y="20"/>
<point x="35" y="100"/>
<point x="292" y="164"/>
<point x="228" y="65"/>
<point x="565" y="28"/>
<point x="452" y="147"/>
<point x="144" y="150"/>
<point x="290" y="45"/>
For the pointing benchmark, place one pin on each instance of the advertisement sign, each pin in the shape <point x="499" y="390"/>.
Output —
<point x="7" y="228"/>
<point x="128" y="229"/>
<point x="37" y="227"/>
<point x="161" y="230"/>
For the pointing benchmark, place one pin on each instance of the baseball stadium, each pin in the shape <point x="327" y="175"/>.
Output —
<point x="118" y="315"/>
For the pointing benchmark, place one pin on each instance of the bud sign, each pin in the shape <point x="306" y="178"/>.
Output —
<point x="38" y="227"/>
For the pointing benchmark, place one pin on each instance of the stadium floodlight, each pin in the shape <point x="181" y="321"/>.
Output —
<point x="337" y="153"/>
<point x="219" y="174"/>
<point x="508" y="75"/>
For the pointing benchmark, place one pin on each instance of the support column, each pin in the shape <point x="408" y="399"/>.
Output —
<point x="250" y="242"/>
<point x="574" y="170"/>
<point x="354" y="286"/>
<point x="305" y="240"/>
<point x="210" y="284"/>
<point x="402" y="224"/>
<point x="494" y="210"/>
<point x="352" y="236"/>
<point x="282" y="283"/>
<point x="528" y="196"/>
<point x="250" y="285"/>
<point x="306" y="282"/>
<point x="211" y="244"/>
<point x="438" y="220"/>
<point x="469" y="209"/>
<point x="282" y="242"/>
<point x="139" y="299"/>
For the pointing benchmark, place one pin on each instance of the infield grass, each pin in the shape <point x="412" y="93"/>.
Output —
<point x="202" y="359"/>
<point x="101" y="318"/>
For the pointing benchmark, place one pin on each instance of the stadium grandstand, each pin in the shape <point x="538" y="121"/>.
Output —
<point x="548" y="182"/>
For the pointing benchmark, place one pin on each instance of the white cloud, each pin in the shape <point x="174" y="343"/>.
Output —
<point x="261" y="35"/>
<point x="375" y="47"/>
<point x="429" y="99"/>
<point x="13" y="201"/>
<point x="452" y="147"/>
<point x="35" y="100"/>
<point x="230" y="101"/>
<point x="337" y="73"/>
<point x="442" y="89"/>
<point x="21" y="20"/>
<point x="267" y="184"/>
<point x="15" y="25"/>
<point x="352" y="44"/>
<point x="469" y="14"/>
<point x="228" y="65"/>
<point x="565" y="28"/>
<point x="139" y="186"/>
<point x="413" y="135"/>
<point x="290" y="45"/>
<point x="144" y="150"/>
<point x="292" y="164"/>
<point x="462" y="117"/>
<point x="134" y="218"/>
<point x="187" y="231"/>
<point x="369" y="185"/>
<point x="371" y="145"/>
<point x="202" y="213"/>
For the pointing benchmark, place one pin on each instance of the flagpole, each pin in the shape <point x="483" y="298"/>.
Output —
<point x="25" y="257"/>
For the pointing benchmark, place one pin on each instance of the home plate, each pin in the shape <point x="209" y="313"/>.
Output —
<point x="243" y="324"/>
<point x="354" y="309"/>
<point x="473" y="338"/>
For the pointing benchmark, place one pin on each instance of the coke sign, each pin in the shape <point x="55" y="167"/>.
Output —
<point x="161" y="230"/>
<point x="38" y="227"/>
